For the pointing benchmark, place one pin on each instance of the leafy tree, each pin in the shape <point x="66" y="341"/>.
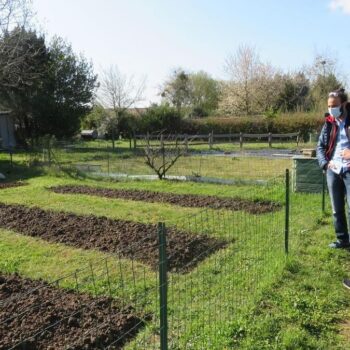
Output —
<point x="324" y="77"/>
<point x="52" y="88"/>
<point x="320" y="88"/>
<point x="195" y="94"/>
<point x="67" y="91"/>
<point x="22" y="83"/>
<point x="204" y="94"/>
<point x="177" y="90"/>
<point x="94" y="118"/>
<point x="294" y="93"/>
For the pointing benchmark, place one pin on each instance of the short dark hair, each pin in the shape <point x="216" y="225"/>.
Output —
<point x="339" y="93"/>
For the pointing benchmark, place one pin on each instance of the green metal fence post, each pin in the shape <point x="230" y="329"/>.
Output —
<point x="286" y="228"/>
<point x="107" y="160"/>
<point x="163" y="287"/>
<point x="323" y="192"/>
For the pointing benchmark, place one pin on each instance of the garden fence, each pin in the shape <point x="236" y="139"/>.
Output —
<point x="228" y="167"/>
<point x="189" y="299"/>
<point x="212" y="139"/>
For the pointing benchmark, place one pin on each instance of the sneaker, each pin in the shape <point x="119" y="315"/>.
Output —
<point x="346" y="283"/>
<point x="339" y="244"/>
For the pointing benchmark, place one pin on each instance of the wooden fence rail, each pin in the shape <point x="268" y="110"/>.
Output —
<point x="211" y="138"/>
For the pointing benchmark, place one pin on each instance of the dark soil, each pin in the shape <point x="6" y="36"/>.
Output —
<point x="4" y="185"/>
<point x="130" y="239"/>
<point x="64" y="319"/>
<point x="183" y="200"/>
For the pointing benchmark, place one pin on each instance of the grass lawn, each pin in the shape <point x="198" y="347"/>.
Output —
<point x="246" y="296"/>
<point x="123" y="159"/>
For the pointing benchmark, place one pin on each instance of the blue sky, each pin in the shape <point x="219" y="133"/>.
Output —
<point x="152" y="37"/>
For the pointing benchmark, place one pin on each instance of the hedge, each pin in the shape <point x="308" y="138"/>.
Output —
<point x="288" y="123"/>
<point x="168" y="120"/>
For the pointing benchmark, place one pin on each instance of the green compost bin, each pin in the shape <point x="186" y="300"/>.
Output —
<point x="307" y="175"/>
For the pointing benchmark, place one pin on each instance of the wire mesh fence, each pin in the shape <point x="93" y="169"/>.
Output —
<point x="101" y="306"/>
<point x="195" y="305"/>
<point x="121" y="301"/>
<point x="205" y="303"/>
<point x="103" y="161"/>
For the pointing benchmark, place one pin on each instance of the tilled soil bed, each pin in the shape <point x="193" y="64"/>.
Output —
<point x="129" y="239"/>
<point x="70" y="320"/>
<point x="4" y="185"/>
<point x="183" y="200"/>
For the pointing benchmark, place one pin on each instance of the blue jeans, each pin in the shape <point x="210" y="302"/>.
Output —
<point x="339" y="189"/>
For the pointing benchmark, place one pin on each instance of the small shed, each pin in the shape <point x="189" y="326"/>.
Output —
<point x="307" y="175"/>
<point x="89" y="134"/>
<point x="7" y="131"/>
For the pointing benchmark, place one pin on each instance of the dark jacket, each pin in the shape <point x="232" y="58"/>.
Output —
<point x="328" y="138"/>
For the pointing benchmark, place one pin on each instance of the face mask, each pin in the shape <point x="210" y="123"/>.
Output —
<point x="336" y="112"/>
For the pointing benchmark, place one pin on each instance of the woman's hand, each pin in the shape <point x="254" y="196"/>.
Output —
<point x="331" y="165"/>
<point x="345" y="154"/>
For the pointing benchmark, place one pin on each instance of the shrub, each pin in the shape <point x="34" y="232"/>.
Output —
<point x="161" y="118"/>
<point x="128" y="124"/>
<point x="287" y="123"/>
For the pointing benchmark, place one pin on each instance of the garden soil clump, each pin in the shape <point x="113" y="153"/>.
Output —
<point x="130" y="239"/>
<point x="70" y="320"/>
<point x="4" y="185"/>
<point x="183" y="200"/>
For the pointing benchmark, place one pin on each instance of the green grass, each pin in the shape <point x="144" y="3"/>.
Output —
<point x="124" y="161"/>
<point x="305" y="307"/>
<point x="230" y="264"/>
<point x="246" y="296"/>
<point x="37" y="194"/>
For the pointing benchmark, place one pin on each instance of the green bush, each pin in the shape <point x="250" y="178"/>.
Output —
<point x="169" y="120"/>
<point x="286" y="123"/>
<point x="128" y="124"/>
<point x="161" y="118"/>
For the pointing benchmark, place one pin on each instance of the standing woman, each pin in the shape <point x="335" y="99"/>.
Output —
<point x="333" y="154"/>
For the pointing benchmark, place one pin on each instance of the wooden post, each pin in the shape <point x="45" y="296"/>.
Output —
<point x="241" y="140"/>
<point x="298" y="139"/>
<point x="211" y="139"/>
<point x="186" y="143"/>
<point x="270" y="140"/>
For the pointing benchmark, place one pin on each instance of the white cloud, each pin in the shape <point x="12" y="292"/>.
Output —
<point x="343" y="5"/>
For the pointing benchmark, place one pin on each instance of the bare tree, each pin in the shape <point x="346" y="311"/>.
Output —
<point x="163" y="152"/>
<point x="119" y="93"/>
<point x="14" y="15"/>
